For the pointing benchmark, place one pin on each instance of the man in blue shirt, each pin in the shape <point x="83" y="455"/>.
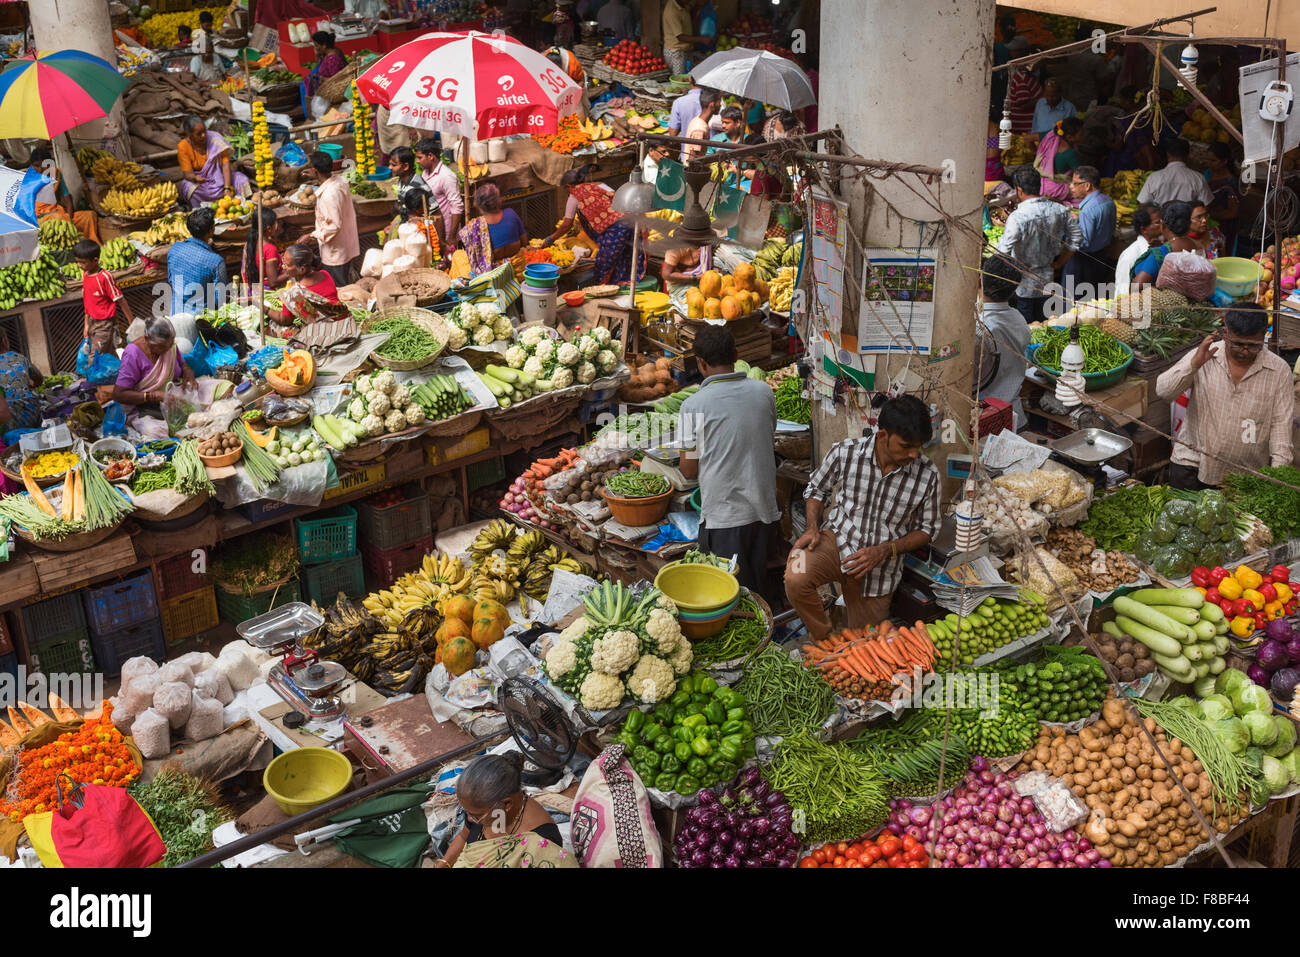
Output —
<point x="1051" y="108"/>
<point x="195" y="271"/>
<point x="1090" y="264"/>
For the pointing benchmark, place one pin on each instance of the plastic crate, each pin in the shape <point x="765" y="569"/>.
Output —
<point x="264" y="509"/>
<point x="995" y="416"/>
<point x="357" y="480"/>
<point x="9" y="665"/>
<point x="110" y="608"/>
<point x="188" y="615"/>
<point x="69" y="653"/>
<point x="388" y="565"/>
<point x="144" y="638"/>
<point x="54" y="616"/>
<point x="322" y="583"/>
<point x="328" y="536"/>
<point x="236" y="609"/>
<point x="408" y="521"/>
<point x="176" y="576"/>
<point x="482" y="474"/>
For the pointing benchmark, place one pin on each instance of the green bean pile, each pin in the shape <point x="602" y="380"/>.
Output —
<point x="634" y="484"/>
<point x="784" y="697"/>
<point x="790" y="405"/>
<point x="841" y="792"/>
<point x="191" y="473"/>
<point x="164" y="477"/>
<point x="1101" y="352"/>
<point x="406" y="340"/>
<point x="1230" y="775"/>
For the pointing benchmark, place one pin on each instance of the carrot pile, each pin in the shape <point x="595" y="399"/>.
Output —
<point x="863" y="663"/>
<point x="543" y="469"/>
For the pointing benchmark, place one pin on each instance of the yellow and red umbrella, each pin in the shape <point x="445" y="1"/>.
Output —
<point x="41" y="96"/>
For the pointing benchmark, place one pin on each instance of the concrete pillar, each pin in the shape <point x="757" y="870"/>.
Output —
<point x="909" y="82"/>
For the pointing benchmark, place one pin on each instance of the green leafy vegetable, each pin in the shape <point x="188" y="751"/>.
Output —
<point x="1277" y="506"/>
<point x="1116" y="521"/>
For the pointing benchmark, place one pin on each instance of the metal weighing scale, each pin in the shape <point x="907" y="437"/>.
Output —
<point x="350" y="26"/>
<point x="1089" y="448"/>
<point x="308" y="685"/>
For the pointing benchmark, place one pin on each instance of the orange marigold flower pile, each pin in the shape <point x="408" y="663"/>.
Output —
<point x="95" y="753"/>
<point x="568" y="137"/>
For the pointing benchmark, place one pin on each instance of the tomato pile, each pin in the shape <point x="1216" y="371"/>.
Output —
<point x="631" y="57"/>
<point x="387" y="498"/>
<point x="887" y="850"/>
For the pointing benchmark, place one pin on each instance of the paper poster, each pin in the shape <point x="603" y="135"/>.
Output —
<point x="825" y="254"/>
<point x="897" y="313"/>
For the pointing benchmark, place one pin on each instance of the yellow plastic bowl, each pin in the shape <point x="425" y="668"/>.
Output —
<point x="1236" y="276"/>
<point x="697" y="588"/>
<point x="306" y="778"/>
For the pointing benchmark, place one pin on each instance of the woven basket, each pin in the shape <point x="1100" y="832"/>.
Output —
<point x="337" y="87"/>
<point x="535" y="416"/>
<point x="73" y="543"/>
<point x="431" y="322"/>
<point x="455" y="425"/>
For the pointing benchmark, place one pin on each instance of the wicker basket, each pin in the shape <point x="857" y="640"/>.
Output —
<point x="337" y="87"/>
<point x="537" y="415"/>
<point x="73" y="543"/>
<point x="455" y="425"/>
<point x="430" y="322"/>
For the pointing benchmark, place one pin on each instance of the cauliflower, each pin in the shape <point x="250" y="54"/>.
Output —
<point x="395" y="421"/>
<point x="467" y="318"/>
<point x="588" y="347"/>
<point x="533" y="366"/>
<point x="568" y="354"/>
<point x="561" y="659"/>
<point x="681" y="658"/>
<point x="401" y="397"/>
<point x="606" y="360"/>
<point x="545" y="350"/>
<point x="575" y="630"/>
<point x="378" y="402"/>
<point x="414" y="414"/>
<point x="373" y="425"/>
<point x="357" y="409"/>
<point x="516" y="356"/>
<point x="586" y="373"/>
<point x="663" y="628"/>
<point x="616" y="347"/>
<point x="533" y="336"/>
<point x="484" y="336"/>
<point x="667" y="604"/>
<point x="651" y="680"/>
<point x="385" y="381"/>
<point x="614" y="653"/>
<point x="456" y="338"/>
<point x="363" y="385"/>
<point x="562" y="379"/>
<point x="601" y="335"/>
<point x="600" y="692"/>
<point x="502" y="327"/>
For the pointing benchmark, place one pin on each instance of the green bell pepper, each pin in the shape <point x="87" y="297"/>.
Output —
<point x="731" y="727"/>
<point x="628" y="740"/>
<point x="686" y="785"/>
<point x="735" y="714"/>
<point x="635" y="721"/>
<point x="687" y="682"/>
<point x="726" y="770"/>
<point x="664" y="712"/>
<point x="731" y="752"/>
<point x="670" y="764"/>
<point x="715" y="712"/>
<point x="681" y="697"/>
<point x="696" y="768"/>
<point x="653" y="760"/>
<point x="705" y="684"/>
<point x="652" y="731"/>
<point x="700" y="699"/>
<point x="638" y="754"/>
<point x="683" y="751"/>
<point x="716" y="759"/>
<point x="666" y="782"/>
<point x="663" y="744"/>
<point x="701" y="746"/>
<point x="726" y="696"/>
<point x="696" y="720"/>
<point x="683" y="733"/>
<point x="746" y="729"/>
<point x="735" y="740"/>
<point x="691" y="709"/>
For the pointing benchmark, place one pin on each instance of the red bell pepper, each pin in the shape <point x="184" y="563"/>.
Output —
<point x="1243" y="606"/>
<point x="1291" y="607"/>
<point x="1260" y="620"/>
<point x="1269" y="592"/>
<point x="1218" y="573"/>
<point x="1201" y="577"/>
<point x="1227" y="606"/>
<point x="1213" y="597"/>
<point x="1280" y="573"/>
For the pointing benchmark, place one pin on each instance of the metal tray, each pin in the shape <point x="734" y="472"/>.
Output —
<point x="280" y="625"/>
<point x="1091" y="446"/>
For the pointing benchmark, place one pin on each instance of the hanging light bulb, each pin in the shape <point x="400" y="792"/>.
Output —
<point x="1191" y="57"/>
<point x="970" y="521"/>
<point x="1004" y="130"/>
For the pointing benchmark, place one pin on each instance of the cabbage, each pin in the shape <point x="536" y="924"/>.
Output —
<point x="1214" y="709"/>
<point x="1204" y="687"/>
<point x="1263" y="731"/>
<point x="1276" y="775"/>
<point x="1233" y="733"/>
<point x="1291" y="761"/>
<point x="1230" y="680"/>
<point x="1251" y="697"/>
<point x="1286" y="736"/>
<point x="1184" y="702"/>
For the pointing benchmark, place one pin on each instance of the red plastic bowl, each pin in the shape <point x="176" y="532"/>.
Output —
<point x="575" y="298"/>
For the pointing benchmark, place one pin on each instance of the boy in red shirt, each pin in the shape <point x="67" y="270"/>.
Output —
<point x="100" y="296"/>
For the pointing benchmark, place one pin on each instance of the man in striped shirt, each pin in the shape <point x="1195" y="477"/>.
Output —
<point x="887" y="504"/>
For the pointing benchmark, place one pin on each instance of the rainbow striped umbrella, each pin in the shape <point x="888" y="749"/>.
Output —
<point x="43" y="95"/>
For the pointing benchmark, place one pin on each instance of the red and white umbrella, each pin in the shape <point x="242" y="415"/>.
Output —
<point x="479" y="85"/>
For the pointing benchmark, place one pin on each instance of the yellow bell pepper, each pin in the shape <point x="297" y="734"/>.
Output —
<point x="1284" y="594"/>
<point x="1248" y="577"/>
<point x="1230" y="588"/>
<point x="1254" y="597"/>
<point x="1273" y="609"/>
<point x="1201" y="590"/>
<point x="1242" y="626"/>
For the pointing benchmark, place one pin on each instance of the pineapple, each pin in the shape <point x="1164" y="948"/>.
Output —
<point x="1118" y="329"/>
<point x="1163" y="299"/>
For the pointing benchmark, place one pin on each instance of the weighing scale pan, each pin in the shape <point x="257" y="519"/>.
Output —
<point x="279" y="625"/>
<point x="1092" y="446"/>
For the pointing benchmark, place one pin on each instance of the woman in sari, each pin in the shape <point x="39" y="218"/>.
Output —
<point x="271" y="231"/>
<point x="311" y="295"/>
<point x="1222" y="177"/>
<point x="1177" y="217"/>
<point x="204" y="158"/>
<point x="591" y="204"/>
<point x="495" y="235"/>
<point x="149" y="364"/>
<point x="1057" y="158"/>
<point x="505" y="828"/>
<point x="329" y="60"/>
<point x="85" y="220"/>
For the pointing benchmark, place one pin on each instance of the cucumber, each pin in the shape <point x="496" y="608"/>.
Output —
<point x="1220" y="645"/>
<point x="1193" y="653"/>
<point x="1158" y="642"/>
<point x="1184" y="616"/>
<point x="1113" y="630"/>
<point x="1149" y="616"/>
<point x="1179" y="668"/>
<point x="1186" y="597"/>
<point x="1208" y="650"/>
<point x="322" y="426"/>
<point x="1211" y="612"/>
<point x="495" y="386"/>
<point x="504" y="374"/>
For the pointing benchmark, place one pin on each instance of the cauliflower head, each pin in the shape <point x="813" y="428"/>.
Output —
<point x="502" y="327"/>
<point x="575" y="630"/>
<point x="615" y="652"/>
<point x="378" y="403"/>
<point x="665" y="631"/>
<point x="357" y="409"/>
<point x="363" y="385"/>
<point x="588" y="346"/>
<point x="467" y="317"/>
<point x="414" y="414"/>
<point x="395" y="421"/>
<point x="651" y="680"/>
<point x="484" y="336"/>
<point x="606" y="360"/>
<point x="681" y="658"/>
<point x="601" y="335"/>
<point x="545" y="350"/>
<point x="563" y="378"/>
<point x="385" y="381"/>
<point x="568" y="354"/>
<point x="373" y="425"/>
<point x="667" y="604"/>
<point x="586" y="373"/>
<point x="400" y="397"/>
<point x="600" y="692"/>
<point x="561" y="659"/>
<point x="532" y="336"/>
<point x="516" y="356"/>
<point x="456" y="338"/>
<point x="533" y="366"/>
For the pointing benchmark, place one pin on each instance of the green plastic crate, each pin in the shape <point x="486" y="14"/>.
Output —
<point x="237" y="609"/>
<point x="327" y="537"/>
<point x="324" y="582"/>
<point x="485" y="473"/>
<point x="67" y="653"/>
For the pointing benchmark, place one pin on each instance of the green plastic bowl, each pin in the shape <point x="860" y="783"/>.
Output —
<point x="697" y="588"/>
<point x="1237" y="277"/>
<point x="306" y="778"/>
<point x="695" y="499"/>
<point x="1091" y="380"/>
<point x="333" y="150"/>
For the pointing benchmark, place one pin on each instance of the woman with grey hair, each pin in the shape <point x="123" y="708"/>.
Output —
<point x="204" y="158"/>
<point x="149" y="364"/>
<point x="505" y="828"/>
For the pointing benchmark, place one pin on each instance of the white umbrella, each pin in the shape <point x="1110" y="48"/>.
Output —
<point x="756" y="75"/>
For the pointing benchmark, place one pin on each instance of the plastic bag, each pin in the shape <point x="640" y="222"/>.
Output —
<point x="99" y="368"/>
<point x="1163" y="530"/>
<point x="197" y="359"/>
<point x="1189" y="539"/>
<point x="1146" y="547"/>
<point x="1180" y="512"/>
<point x="177" y="405"/>
<point x="1189" y="273"/>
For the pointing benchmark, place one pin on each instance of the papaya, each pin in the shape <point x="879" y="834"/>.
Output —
<point x="761" y="287"/>
<point x="728" y="285"/>
<point x="460" y="606"/>
<point x="731" y="309"/>
<point x="710" y="284"/>
<point x="487" y="608"/>
<point x="745" y="276"/>
<point x="487" y="631"/>
<point x="451" y="628"/>
<point x="713" y="309"/>
<point x="694" y="304"/>
<point x="458" y="656"/>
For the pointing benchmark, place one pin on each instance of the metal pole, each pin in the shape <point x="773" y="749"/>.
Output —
<point x="1276" y="160"/>
<point x="1085" y="44"/>
<point x="636" y="245"/>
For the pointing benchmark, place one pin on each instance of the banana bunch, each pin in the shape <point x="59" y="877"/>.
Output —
<point x="112" y="172"/>
<point x="58" y="235"/>
<point x="438" y="578"/>
<point x="40" y="278"/>
<point x="781" y="291"/>
<point x="523" y="548"/>
<point x="771" y="258"/>
<point x="499" y="534"/>
<point x="537" y="580"/>
<point x="165" y="230"/>
<point x="140" y="203"/>
<point x="1125" y="186"/>
<point x="231" y="84"/>
<point x="117" y="254"/>
<point x="494" y="589"/>
<point x="88" y="156"/>
<point x="668" y="215"/>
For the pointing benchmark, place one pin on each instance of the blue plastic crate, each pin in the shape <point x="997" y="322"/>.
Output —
<point x="110" y="608"/>
<point x="54" y="616"/>
<point x="323" y="582"/>
<point x="112" y="650"/>
<point x="263" y="509"/>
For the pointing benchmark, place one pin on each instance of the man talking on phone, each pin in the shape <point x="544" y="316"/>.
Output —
<point x="887" y="504"/>
<point x="1240" y="405"/>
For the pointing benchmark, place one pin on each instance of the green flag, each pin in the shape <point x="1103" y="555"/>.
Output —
<point x="670" y="186"/>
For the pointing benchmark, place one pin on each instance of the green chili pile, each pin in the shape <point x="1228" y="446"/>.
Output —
<point x="164" y="477"/>
<point x="790" y="405"/>
<point x="841" y="793"/>
<point x="633" y="484"/>
<point x="784" y="697"/>
<point x="406" y="340"/>
<point x="1101" y="352"/>
<point x="740" y="637"/>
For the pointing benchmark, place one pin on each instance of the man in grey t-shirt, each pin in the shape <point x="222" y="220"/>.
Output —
<point x="732" y="420"/>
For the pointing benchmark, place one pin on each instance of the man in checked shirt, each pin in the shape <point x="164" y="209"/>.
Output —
<point x="887" y="504"/>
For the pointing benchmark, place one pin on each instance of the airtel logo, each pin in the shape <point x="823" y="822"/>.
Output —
<point x="507" y="83"/>
<point x="397" y="67"/>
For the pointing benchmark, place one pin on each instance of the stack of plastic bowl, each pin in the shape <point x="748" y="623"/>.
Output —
<point x="705" y="596"/>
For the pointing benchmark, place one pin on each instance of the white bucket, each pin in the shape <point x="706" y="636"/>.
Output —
<point x="497" y="150"/>
<point x="478" y="152"/>
<point x="539" y="305"/>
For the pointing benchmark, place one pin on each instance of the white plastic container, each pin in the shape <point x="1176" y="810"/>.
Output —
<point x="478" y="152"/>
<point x="539" y="305"/>
<point x="497" y="150"/>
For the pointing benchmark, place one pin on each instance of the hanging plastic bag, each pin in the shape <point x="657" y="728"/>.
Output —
<point x="114" y="419"/>
<point x="103" y="369"/>
<point x="177" y="405"/>
<point x="197" y="359"/>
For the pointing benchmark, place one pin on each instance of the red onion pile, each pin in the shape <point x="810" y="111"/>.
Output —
<point x="748" y="825"/>
<point x="985" y="823"/>
<point x="516" y="500"/>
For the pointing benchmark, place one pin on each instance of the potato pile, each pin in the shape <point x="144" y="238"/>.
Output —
<point x="220" y="444"/>
<point x="1077" y="551"/>
<point x="583" y="487"/>
<point x="1138" y="817"/>
<point x="1130" y="658"/>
